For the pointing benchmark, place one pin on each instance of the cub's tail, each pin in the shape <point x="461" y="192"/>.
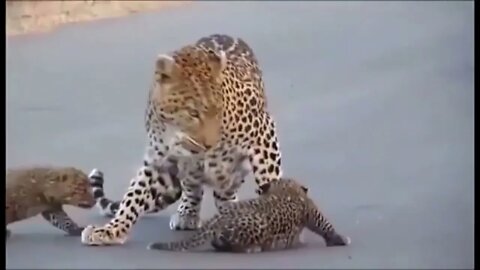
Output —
<point x="106" y="206"/>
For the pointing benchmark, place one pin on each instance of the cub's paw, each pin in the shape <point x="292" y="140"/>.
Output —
<point x="253" y="249"/>
<point x="337" y="240"/>
<point x="102" y="236"/>
<point x="180" y="222"/>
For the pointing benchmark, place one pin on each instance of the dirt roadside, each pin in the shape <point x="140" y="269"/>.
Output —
<point x="25" y="17"/>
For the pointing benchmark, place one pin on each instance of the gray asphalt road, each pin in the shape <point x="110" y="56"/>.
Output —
<point x="374" y="104"/>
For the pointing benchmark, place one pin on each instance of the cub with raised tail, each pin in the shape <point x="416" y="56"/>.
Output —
<point x="273" y="221"/>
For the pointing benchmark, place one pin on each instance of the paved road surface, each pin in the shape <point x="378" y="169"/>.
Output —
<point x="374" y="103"/>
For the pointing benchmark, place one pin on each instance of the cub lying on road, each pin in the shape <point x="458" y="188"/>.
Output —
<point x="272" y="221"/>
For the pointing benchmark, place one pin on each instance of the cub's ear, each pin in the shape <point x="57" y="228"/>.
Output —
<point x="217" y="61"/>
<point x="264" y="188"/>
<point x="165" y="65"/>
<point x="305" y="189"/>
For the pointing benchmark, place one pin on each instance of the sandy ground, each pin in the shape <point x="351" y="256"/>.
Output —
<point x="39" y="16"/>
<point x="374" y="107"/>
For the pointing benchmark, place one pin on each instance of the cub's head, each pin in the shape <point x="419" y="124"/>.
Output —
<point x="70" y="186"/>
<point x="288" y="185"/>
<point x="187" y="92"/>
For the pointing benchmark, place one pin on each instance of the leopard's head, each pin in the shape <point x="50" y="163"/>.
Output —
<point x="69" y="185"/>
<point x="187" y="92"/>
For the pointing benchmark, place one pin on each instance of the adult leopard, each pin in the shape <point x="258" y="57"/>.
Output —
<point x="214" y="84"/>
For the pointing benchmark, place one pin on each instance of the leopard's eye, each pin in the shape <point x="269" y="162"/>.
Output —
<point x="164" y="77"/>
<point x="194" y="113"/>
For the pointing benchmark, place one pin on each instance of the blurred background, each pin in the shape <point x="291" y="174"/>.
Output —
<point x="39" y="16"/>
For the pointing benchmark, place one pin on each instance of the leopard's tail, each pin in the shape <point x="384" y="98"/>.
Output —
<point x="106" y="206"/>
<point x="203" y="235"/>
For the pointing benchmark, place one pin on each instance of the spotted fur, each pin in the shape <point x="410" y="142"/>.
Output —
<point x="44" y="191"/>
<point x="107" y="206"/>
<point x="273" y="221"/>
<point x="208" y="124"/>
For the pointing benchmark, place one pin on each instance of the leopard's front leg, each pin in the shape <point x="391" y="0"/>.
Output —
<point x="151" y="188"/>
<point x="228" y="182"/>
<point x="135" y="202"/>
<point x="187" y="216"/>
<point x="227" y="171"/>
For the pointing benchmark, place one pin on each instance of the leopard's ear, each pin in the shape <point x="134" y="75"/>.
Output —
<point x="305" y="189"/>
<point x="217" y="61"/>
<point x="165" y="66"/>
